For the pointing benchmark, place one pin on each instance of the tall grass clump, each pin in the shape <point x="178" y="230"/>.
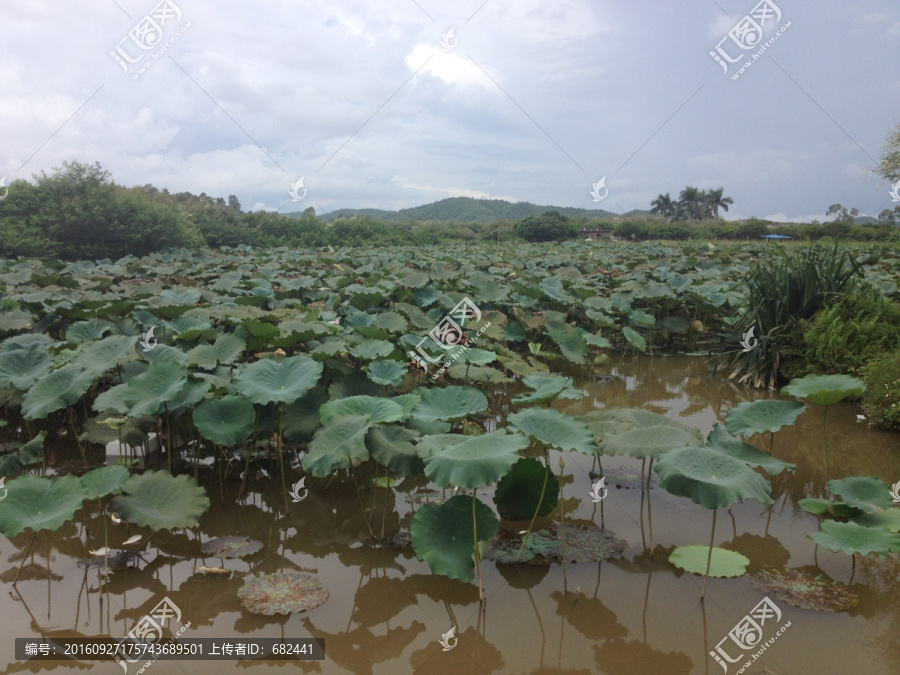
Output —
<point x="881" y="402"/>
<point x="782" y="291"/>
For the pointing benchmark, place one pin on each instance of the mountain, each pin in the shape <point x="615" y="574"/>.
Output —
<point x="470" y="210"/>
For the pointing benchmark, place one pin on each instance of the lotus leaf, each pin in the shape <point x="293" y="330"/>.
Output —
<point x="282" y="593"/>
<point x="801" y="589"/>
<point x="748" y="419"/>
<point x="226" y="349"/>
<point x="554" y="429"/>
<point x="547" y="388"/>
<point x="231" y="547"/>
<point x="391" y="446"/>
<point x="825" y="389"/>
<point x="161" y="501"/>
<point x="640" y="433"/>
<point x="634" y="338"/>
<point x="379" y="409"/>
<point x="39" y="503"/>
<point x="226" y="421"/>
<point x="852" y="538"/>
<point x="340" y="444"/>
<point x="582" y="543"/>
<point x="518" y="493"/>
<point x="865" y="493"/>
<point x="387" y="372"/>
<point x="266" y="381"/>
<point x="58" y="389"/>
<point x="450" y="404"/>
<point x="477" y="461"/>
<point x="104" y="480"/>
<point x="724" y="563"/>
<point x="720" y="440"/>
<point x="21" y="368"/>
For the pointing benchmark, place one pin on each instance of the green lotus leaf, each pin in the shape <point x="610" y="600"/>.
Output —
<point x="173" y="296"/>
<point x="165" y="353"/>
<point x="370" y="350"/>
<point x="435" y="443"/>
<point x="724" y="563"/>
<point x="21" y="368"/>
<point x="387" y="372"/>
<point x="84" y="331"/>
<point x="547" y="388"/>
<point x="146" y="393"/>
<point x="301" y="418"/>
<point x="865" y="493"/>
<point x="477" y="461"/>
<point x="393" y="322"/>
<point x="187" y="397"/>
<point x="518" y="493"/>
<point x="378" y="409"/>
<point x="853" y="538"/>
<point x="571" y="344"/>
<point x="266" y="381"/>
<point x="582" y="544"/>
<point x="58" y="389"/>
<point x="161" y="501"/>
<point x="721" y="440"/>
<point x="825" y="389"/>
<point x="554" y="429"/>
<point x="28" y="454"/>
<point x="634" y="338"/>
<point x="392" y="446"/>
<point x="553" y="288"/>
<point x="820" y="507"/>
<point x="443" y="535"/>
<point x="282" y="593"/>
<point x="889" y="520"/>
<point x="639" y="433"/>
<point x="104" y="480"/>
<point x="450" y="404"/>
<point x="226" y="349"/>
<point x="226" y="421"/>
<point x="758" y="417"/>
<point x="98" y="357"/>
<point x="338" y="445"/>
<point x="641" y="318"/>
<point x="39" y="503"/>
<point x="478" y="357"/>
<point x="710" y="478"/>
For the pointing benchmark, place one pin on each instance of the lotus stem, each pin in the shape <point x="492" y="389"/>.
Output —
<point x="712" y="537"/>
<point x="825" y="443"/>
<point x="475" y="537"/>
<point x="24" y="558"/>
<point x="168" y="437"/>
<point x="771" y="441"/>
<point x="538" y="508"/>
<point x="562" y="523"/>
<point x="368" y="521"/>
<point x="71" y="415"/>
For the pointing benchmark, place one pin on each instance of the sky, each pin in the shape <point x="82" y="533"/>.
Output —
<point x="395" y="103"/>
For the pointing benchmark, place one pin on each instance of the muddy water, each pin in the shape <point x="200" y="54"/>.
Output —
<point x="386" y="611"/>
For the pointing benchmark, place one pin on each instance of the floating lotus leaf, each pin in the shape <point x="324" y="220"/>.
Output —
<point x="518" y="493"/>
<point x="720" y="440"/>
<point x="758" y="417"/>
<point x="104" y="480"/>
<point x="477" y="461"/>
<point x="391" y="446"/>
<point x="852" y="538"/>
<point x="387" y="372"/>
<point x="267" y="381"/>
<point x="801" y="589"/>
<point x="724" y="563"/>
<point x="379" y="409"/>
<point x="21" y="368"/>
<point x="39" y="503"/>
<point x="583" y="543"/>
<point x="340" y="444"/>
<point x="226" y="421"/>
<point x="554" y="429"/>
<point x="825" y="389"/>
<point x="504" y="548"/>
<point x="443" y="535"/>
<point x="865" y="493"/>
<point x="161" y="501"/>
<point x="547" y="388"/>
<point x="639" y="433"/>
<point x="58" y="389"/>
<point x="450" y="404"/>
<point x="231" y="547"/>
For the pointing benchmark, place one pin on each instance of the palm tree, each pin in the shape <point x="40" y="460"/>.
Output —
<point x="715" y="201"/>
<point x="664" y="206"/>
<point x="692" y="201"/>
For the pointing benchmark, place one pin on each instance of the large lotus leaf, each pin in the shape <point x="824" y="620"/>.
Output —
<point x="519" y="492"/>
<point x="39" y="503"/>
<point x="865" y="493"/>
<point x="436" y="443"/>
<point x="392" y="322"/>
<point x="582" y="543"/>
<point x="889" y="520"/>
<point x="443" y="535"/>
<point x="189" y="296"/>
<point x="226" y="349"/>
<point x="338" y="445"/>
<point x="37" y="341"/>
<point x="282" y="593"/>
<point x="187" y="397"/>
<point x="571" y="343"/>
<point x="378" y="409"/>
<point x="820" y="507"/>
<point x="165" y="353"/>
<point x="801" y="589"/>
<point x="231" y="547"/>
<point x="160" y="383"/>
<point x="226" y="421"/>
<point x="104" y="480"/>
<point x="370" y="350"/>
<point x="852" y="538"/>
<point x="547" y="388"/>
<point x="710" y="478"/>
<point x="478" y="357"/>
<point x="98" y="357"/>
<point x="721" y="440"/>
<point x="301" y="418"/>
<point x="266" y="381"/>
<point x="555" y="429"/>
<point x="724" y="563"/>
<point x="634" y="338"/>
<point x="761" y="416"/>
<point x="21" y="368"/>
<point x="476" y="462"/>
<point x="29" y="453"/>
<point x="450" y="404"/>
<point x="392" y="446"/>
<point x="825" y="389"/>
<point x="553" y="288"/>
<point x="58" y="389"/>
<point x="84" y="331"/>
<point x="387" y="372"/>
<point x="161" y="501"/>
<point x="647" y="434"/>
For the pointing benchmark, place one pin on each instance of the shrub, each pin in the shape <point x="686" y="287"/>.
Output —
<point x="550" y="226"/>
<point x="881" y="402"/>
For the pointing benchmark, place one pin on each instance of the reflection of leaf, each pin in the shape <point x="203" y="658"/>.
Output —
<point x="231" y="547"/>
<point x="801" y="589"/>
<point x="282" y="593"/>
<point x="724" y="563"/>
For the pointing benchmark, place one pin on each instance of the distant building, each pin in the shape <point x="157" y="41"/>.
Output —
<point x="591" y="235"/>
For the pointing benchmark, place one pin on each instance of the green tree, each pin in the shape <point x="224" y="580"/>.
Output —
<point x="664" y="206"/>
<point x="715" y="201"/>
<point x="693" y="203"/>
<point x="889" y="169"/>
<point x="549" y="226"/>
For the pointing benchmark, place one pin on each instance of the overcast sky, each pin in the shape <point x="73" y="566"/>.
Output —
<point x="525" y="100"/>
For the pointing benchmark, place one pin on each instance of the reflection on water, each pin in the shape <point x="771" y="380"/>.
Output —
<point x="386" y="611"/>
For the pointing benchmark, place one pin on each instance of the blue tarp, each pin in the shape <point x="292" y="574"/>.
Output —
<point x="776" y="236"/>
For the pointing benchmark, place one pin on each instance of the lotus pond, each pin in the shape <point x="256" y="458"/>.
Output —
<point x="280" y="457"/>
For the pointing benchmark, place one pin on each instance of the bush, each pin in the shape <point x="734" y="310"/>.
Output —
<point x="550" y="226"/>
<point x="881" y="402"/>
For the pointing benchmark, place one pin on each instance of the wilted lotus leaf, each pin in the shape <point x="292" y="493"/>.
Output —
<point x="282" y="593"/>
<point x="231" y="547"/>
<point x="802" y="589"/>
<point x="583" y="544"/>
<point x="504" y="548"/>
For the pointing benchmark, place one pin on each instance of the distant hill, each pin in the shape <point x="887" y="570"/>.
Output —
<point x="470" y="210"/>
